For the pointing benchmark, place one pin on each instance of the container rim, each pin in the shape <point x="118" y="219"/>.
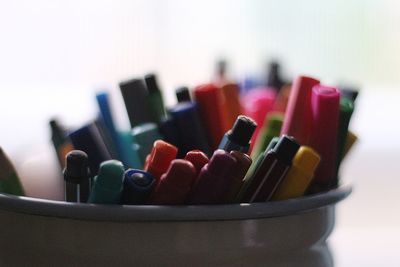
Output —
<point x="152" y="213"/>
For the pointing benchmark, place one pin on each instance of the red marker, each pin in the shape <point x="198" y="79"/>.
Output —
<point x="210" y="102"/>
<point x="160" y="157"/>
<point x="198" y="159"/>
<point x="211" y="183"/>
<point x="325" y="111"/>
<point x="174" y="185"/>
<point x="238" y="172"/>
<point x="298" y="116"/>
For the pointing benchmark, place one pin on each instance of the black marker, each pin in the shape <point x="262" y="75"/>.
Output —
<point x="76" y="176"/>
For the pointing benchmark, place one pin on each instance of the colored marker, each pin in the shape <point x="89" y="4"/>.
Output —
<point x="298" y="116"/>
<point x="77" y="177"/>
<point x="233" y="107"/>
<point x="299" y="176"/>
<point x="131" y="149"/>
<point x="145" y="135"/>
<point x="169" y="130"/>
<point x="350" y="141"/>
<point x="174" y="185"/>
<point x="190" y="130"/>
<point x="213" y="177"/>
<point x="154" y="98"/>
<point x="183" y="94"/>
<point x="325" y="111"/>
<point x="257" y="104"/>
<point x="282" y="99"/>
<point x="160" y="158"/>
<point x="137" y="187"/>
<point x="197" y="158"/>
<point x="238" y="173"/>
<point x="134" y="93"/>
<point x="349" y="92"/>
<point x="125" y="153"/>
<point x="89" y="140"/>
<point x="346" y="109"/>
<point x="107" y="185"/>
<point x="61" y="143"/>
<point x="238" y="138"/>
<point x="274" y="79"/>
<point x="271" y="128"/>
<point x="271" y="171"/>
<point x="210" y="104"/>
<point x="9" y="180"/>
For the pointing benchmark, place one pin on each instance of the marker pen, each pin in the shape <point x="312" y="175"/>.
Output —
<point x="346" y="109"/>
<point x="274" y="79"/>
<point x="76" y="177"/>
<point x="299" y="176"/>
<point x="9" y="180"/>
<point x="253" y="167"/>
<point x="197" y="158"/>
<point x="230" y="93"/>
<point x="131" y="149"/>
<point x="349" y="92"/>
<point x="282" y="99"/>
<point x="257" y="104"/>
<point x="137" y="187"/>
<point x="212" y="113"/>
<point x="134" y="93"/>
<point x="209" y="188"/>
<point x="298" y="116"/>
<point x="107" y="185"/>
<point x="89" y="140"/>
<point x="61" y="143"/>
<point x="271" y="128"/>
<point x="238" y="173"/>
<point x="169" y="130"/>
<point x="125" y="153"/>
<point x="174" y="185"/>
<point x="351" y="139"/>
<point x="238" y="138"/>
<point x="271" y="171"/>
<point x="190" y="130"/>
<point x="145" y="135"/>
<point x="154" y="97"/>
<point x="160" y="158"/>
<point x="325" y="110"/>
<point x="183" y="94"/>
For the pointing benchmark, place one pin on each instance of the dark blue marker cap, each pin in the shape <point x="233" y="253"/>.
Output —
<point x="89" y="140"/>
<point x="138" y="185"/>
<point x="169" y="130"/>
<point x="183" y="94"/>
<point x="191" y="132"/>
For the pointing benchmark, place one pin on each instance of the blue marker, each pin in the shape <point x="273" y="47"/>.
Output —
<point x="125" y="152"/>
<point x="137" y="188"/>
<point x="107" y="185"/>
<point x="145" y="135"/>
<point x="169" y="131"/>
<point x="190" y="131"/>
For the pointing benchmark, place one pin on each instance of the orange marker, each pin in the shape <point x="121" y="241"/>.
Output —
<point x="160" y="158"/>
<point x="230" y="92"/>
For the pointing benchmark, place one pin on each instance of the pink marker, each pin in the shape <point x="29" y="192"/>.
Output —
<point x="298" y="116"/>
<point x="256" y="104"/>
<point x="325" y="113"/>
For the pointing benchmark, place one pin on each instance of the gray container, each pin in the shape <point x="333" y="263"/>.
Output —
<point x="38" y="232"/>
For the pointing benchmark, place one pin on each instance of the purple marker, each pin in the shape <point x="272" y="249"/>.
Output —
<point x="213" y="178"/>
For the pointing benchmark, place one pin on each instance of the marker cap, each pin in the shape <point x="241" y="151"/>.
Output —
<point x="160" y="157"/>
<point x="306" y="159"/>
<point x="151" y="83"/>
<point x="76" y="166"/>
<point x="183" y="94"/>
<point x="286" y="149"/>
<point x="220" y="163"/>
<point x="110" y="174"/>
<point x="242" y="130"/>
<point x="272" y="144"/>
<point x="197" y="158"/>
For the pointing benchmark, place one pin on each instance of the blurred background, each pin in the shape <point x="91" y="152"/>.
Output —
<point x="54" y="56"/>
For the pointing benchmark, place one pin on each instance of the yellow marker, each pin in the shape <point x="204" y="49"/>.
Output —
<point x="350" y="140"/>
<point x="299" y="176"/>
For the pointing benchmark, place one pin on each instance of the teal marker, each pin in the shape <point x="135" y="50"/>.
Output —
<point x="131" y="150"/>
<point x="145" y="135"/>
<point x="107" y="185"/>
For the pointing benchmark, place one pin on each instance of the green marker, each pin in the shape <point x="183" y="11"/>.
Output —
<point x="107" y="185"/>
<point x="154" y="98"/>
<point x="254" y="167"/>
<point x="345" y="111"/>
<point x="9" y="181"/>
<point x="272" y="127"/>
<point x="145" y="135"/>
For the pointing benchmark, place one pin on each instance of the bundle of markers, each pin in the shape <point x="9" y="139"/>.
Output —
<point x="208" y="149"/>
